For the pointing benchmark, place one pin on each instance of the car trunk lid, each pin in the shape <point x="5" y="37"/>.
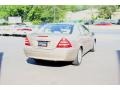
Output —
<point x="46" y="41"/>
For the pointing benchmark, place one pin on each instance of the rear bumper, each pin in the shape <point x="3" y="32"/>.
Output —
<point x="54" y="55"/>
<point x="19" y="33"/>
<point x="6" y="33"/>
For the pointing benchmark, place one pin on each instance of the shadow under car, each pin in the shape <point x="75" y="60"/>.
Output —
<point x="49" y="63"/>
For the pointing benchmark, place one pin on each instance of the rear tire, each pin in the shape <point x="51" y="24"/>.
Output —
<point x="78" y="59"/>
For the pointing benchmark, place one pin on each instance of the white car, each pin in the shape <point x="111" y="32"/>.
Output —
<point x="5" y="30"/>
<point x="60" y="42"/>
<point x="22" y="30"/>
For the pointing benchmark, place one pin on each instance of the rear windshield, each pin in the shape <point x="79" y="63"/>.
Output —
<point x="57" y="28"/>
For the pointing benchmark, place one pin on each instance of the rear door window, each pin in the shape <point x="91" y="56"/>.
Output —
<point x="83" y="30"/>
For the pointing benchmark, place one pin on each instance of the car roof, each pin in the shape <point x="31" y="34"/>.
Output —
<point x="64" y="23"/>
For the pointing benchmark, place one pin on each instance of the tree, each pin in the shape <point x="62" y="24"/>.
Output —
<point x="105" y="12"/>
<point x="46" y="13"/>
<point x="39" y="13"/>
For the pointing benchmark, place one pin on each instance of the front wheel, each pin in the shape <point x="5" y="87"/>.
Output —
<point x="78" y="59"/>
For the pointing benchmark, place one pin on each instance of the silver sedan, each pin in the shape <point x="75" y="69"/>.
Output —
<point x="60" y="42"/>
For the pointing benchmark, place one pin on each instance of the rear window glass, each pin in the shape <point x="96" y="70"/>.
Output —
<point x="57" y="28"/>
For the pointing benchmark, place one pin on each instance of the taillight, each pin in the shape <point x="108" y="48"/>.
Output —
<point x="64" y="43"/>
<point x="24" y="29"/>
<point x="42" y="36"/>
<point x="27" y="29"/>
<point x="27" y="43"/>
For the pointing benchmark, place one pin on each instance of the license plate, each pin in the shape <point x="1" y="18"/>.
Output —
<point x="43" y="43"/>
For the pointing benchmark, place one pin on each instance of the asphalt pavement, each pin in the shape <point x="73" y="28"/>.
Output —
<point x="101" y="67"/>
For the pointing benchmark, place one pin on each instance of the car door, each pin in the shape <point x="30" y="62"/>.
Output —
<point x="83" y="38"/>
<point x="88" y="36"/>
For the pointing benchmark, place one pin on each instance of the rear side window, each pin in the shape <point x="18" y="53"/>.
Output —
<point x="57" y="28"/>
<point x="85" y="28"/>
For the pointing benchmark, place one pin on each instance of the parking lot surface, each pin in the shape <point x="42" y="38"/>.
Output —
<point x="99" y="67"/>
